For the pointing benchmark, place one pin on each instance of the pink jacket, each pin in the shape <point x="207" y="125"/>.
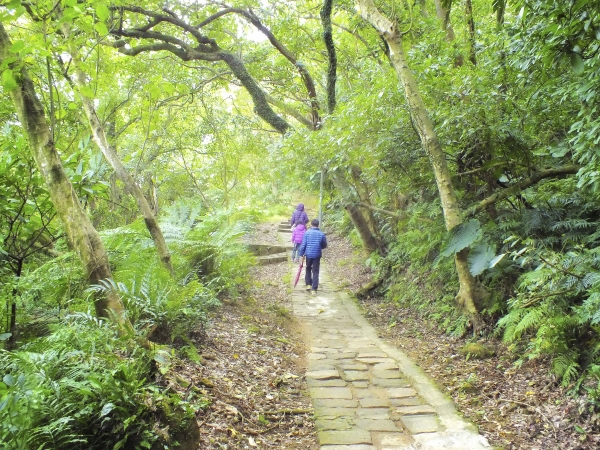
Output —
<point x="298" y="233"/>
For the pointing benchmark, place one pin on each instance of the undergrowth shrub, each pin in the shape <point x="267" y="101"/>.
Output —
<point x="80" y="385"/>
<point x="83" y="387"/>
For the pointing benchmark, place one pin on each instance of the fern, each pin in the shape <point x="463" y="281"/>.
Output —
<point x="565" y="366"/>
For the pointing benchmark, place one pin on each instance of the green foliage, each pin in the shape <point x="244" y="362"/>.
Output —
<point x="82" y="387"/>
<point x="163" y="313"/>
<point x="462" y="236"/>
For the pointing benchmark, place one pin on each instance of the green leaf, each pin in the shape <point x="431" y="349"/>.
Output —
<point x="9" y="380"/>
<point x="496" y="260"/>
<point x="8" y="80"/>
<point x="17" y="46"/>
<point x="462" y="236"/>
<point x="480" y="257"/>
<point x="86" y="91"/>
<point x="5" y="336"/>
<point x="70" y="2"/>
<point x="102" y="12"/>
<point x="577" y="63"/>
<point x="106" y="409"/>
<point x="100" y="27"/>
<point x="160" y="358"/>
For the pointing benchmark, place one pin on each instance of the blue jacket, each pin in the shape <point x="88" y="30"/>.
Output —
<point x="313" y="242"/>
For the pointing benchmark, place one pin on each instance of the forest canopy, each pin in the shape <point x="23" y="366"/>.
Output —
<point x="457" y="140"/>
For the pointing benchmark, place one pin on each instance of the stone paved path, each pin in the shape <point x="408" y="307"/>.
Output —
<point x="366" y="394"/>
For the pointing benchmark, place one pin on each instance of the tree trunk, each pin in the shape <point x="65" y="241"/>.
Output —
<point x="332" y="57"/>
<point x="365" y="197"/>
<point x="82" y="236"/>
<point x="369" y="239"/>
<point x="443" y="15"/>
<point x="470" y="293"/>
<point x="423" y="8"/>
<point x="471" y="27"/>
<point x="111" y="156"/>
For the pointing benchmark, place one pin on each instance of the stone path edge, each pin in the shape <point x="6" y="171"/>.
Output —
<point x="425" y="387"/>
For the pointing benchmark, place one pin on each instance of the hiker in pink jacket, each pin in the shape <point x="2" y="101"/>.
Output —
<point x="297" y="236"/>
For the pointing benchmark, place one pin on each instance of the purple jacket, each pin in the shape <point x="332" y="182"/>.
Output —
<point x="298" y="233"/>
<point x="299" y="215"/>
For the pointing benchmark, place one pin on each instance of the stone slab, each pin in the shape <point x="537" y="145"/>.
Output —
<point x="347" y="447"/>
<point x="392" y="440"/>
<point x="323" y="374"/>
<point x="371" y="353"/>
<point x="360" y="384"/>
<point x="354" y="367"/>
<point x="374" y="360"/>
<point x="377" y="425"/>
<point x="355" y="436"/>
<point x="338" y="423"/>
<point x="385" y="366"/>
<point x="337" y="343"/>
<point x="386" y="373"/>
<point x="331" y="392"/>
<point x="364" y="393"/>
<point x="390" y="382"/>
<point x="401" y="392"/>
<point x="373" y="402"/>
<point x="355" y="375"/>
<point x="342" y="355"/>
<point x="413" y="410"/>
<point x="406" y="401"/>
<point x="421" y="423"/>
<point x="325" y="383"/>
<point x="334" y="412"/>
<point x="373" y="413"/>
<point x="334" y="403"/>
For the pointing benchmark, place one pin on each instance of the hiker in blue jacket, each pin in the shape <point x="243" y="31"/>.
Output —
<point x="313" y="242"/>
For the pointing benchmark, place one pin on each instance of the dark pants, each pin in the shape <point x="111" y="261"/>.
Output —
<point x="312" y="272"/>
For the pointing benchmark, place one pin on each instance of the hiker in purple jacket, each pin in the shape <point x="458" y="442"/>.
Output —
<point x="297" y="236"/>
<point x="299" y="216"/>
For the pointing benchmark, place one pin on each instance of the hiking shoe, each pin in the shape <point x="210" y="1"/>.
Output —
<point x="313" y="292"/>
<point x="308" y="287"/>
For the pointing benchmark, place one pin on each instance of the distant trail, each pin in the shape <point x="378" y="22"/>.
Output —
<point x="366" y="394"/>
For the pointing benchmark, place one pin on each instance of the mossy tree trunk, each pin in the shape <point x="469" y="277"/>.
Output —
<point x="470" y="293"/>
<point x="82" y="236"/>
<point x="121" y="172"/>
<point x="371" y="242"/>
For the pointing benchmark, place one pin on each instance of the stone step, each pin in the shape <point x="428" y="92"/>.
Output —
<point x="271" y="259"/>
<point x="266" y="249"/>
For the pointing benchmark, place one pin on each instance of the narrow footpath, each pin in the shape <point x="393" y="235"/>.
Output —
<point x="366" y="394"/>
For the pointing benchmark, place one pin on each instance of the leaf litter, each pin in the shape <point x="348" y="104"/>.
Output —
<point x="252" y="368"/>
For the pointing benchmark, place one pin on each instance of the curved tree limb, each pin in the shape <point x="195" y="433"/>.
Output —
<point x="207" y="50"/>
<point x="281" y="48"/>
<point x="523" y="184"/>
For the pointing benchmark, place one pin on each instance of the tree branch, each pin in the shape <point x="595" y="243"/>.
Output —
<point x="281" y="48"/>
<point x="289" y="110"/>
<point x="522" y="185"/>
